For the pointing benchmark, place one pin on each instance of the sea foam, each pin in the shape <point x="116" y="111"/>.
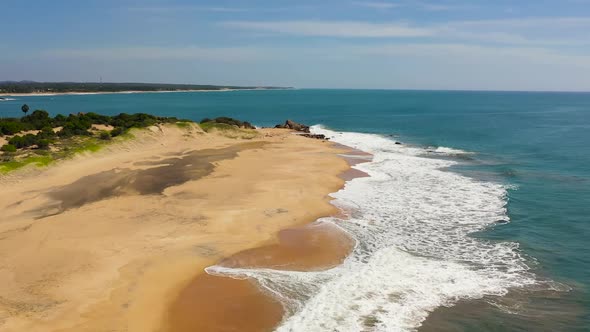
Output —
<point x="412" y="221"/>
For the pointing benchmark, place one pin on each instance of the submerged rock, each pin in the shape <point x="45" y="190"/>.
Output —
<point x="316" y="136"/>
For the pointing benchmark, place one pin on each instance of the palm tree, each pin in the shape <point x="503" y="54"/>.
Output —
<point x="25" y="108"/>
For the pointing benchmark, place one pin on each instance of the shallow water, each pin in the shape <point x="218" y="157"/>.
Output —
<point x="484" y="209"/>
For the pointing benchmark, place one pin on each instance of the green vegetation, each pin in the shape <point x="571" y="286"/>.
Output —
<point x="11" y="165"/>
<point x="183" y="124"/>
<point x="117" y="132"/>
<point x="229" y="127"/>
<point x="229" y="121"/>
<point x="89" y="145"/>
<point x="66" y="87"/>
<point x="39" y="139"/>
<point x="8" y="148"/>
<point x="209" y="126"/>
<point x="105" y="135"/>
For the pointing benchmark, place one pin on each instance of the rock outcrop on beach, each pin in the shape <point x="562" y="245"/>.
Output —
<point x="290" y="124"/>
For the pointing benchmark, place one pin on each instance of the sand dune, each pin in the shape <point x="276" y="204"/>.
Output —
<point x="108" y="241"/>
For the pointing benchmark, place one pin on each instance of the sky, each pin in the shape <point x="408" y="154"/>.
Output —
<point x="370" y="44"/>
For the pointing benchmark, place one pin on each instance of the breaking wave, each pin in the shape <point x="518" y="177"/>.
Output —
<point x="412" y="222"/>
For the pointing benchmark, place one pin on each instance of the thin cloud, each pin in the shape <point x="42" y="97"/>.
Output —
<point x="221" y="54"/>
<point x="376" y="5"/>
<point x="533" y="31"/>
<point x="352" y="52"/>
<point x="438" y="7"/>
<point x="343" y="29"/>
<point x="553" y="22"/>
<point x="174" y="9"/>
<point x="426" y="6"/>
<point x="525" y="31"/>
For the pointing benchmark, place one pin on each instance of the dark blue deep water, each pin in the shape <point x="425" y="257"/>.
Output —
<point x="536" y="142"/>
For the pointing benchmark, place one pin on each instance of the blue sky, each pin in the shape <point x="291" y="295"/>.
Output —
<point x="405" y="44"/>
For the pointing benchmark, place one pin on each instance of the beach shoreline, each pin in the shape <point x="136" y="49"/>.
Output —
<point x="42" y="94"/>
<point x="131" y="254"/>
<point x="214" y="301"/>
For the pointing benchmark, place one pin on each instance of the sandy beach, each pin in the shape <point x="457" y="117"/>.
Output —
<point x="119" y="240"/>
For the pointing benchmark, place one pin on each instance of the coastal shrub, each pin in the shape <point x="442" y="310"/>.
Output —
<point x="104" y="135"/>
<point x="59" y="120"/>
<point x="116" y="132"/>
<point x="11" y="127"/>
<point x="138" y="120"/>
<point x="75" y="126"/>
<point x="20" y="142"/>
<point x="8" y="148"/>
<point x="46" y="132"/>
<point x="42" y="144"/>
<point x="23" y="141"/>
<point x="95" y="118"/>
<point x="38" y="119"/>
<point x="229" y="121"/>
<point x="17" y="141"/>
<point x="208" y="126"/>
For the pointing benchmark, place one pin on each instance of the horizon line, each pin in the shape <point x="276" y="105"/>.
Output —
<point x="304" y="88"/>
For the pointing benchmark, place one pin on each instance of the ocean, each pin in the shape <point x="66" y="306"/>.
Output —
<point x="478" y="221"/>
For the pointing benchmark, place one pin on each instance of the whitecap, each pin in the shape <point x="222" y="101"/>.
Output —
<point x="443" y="150"/>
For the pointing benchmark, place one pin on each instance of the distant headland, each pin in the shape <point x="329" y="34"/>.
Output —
<point x="49" y="88"/>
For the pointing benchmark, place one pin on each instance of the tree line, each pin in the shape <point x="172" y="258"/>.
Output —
<point x="61" y="126"/>
<point x="65" y="87"/>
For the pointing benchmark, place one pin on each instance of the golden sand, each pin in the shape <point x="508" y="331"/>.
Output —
<point x="104" y="243"/>
<point x="219" y="303"/>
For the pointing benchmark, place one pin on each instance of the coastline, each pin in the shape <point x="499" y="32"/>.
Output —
<point x="41" y="94"/>
<point x="131" y="254"/>
<point x="214" y="301"/>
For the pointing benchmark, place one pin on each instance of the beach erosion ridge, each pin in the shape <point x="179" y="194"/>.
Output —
<point x="122" y="239"/>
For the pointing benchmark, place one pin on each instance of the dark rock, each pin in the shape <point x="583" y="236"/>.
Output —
<point x="398" y="143"/>
<point x="290" y="124"/>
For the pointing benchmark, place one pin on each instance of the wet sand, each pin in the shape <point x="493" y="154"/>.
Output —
<point x="315" y="246"/>
<point x="124" y="231"/>
<point x="214" y="303"/>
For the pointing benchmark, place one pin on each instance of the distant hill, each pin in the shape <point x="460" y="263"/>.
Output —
<point x="67" y="87"/>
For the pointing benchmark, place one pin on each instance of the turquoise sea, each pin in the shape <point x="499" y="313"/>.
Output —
<point x="480" y="220"/>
